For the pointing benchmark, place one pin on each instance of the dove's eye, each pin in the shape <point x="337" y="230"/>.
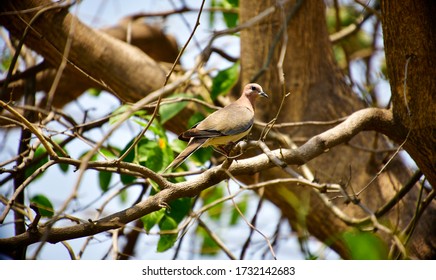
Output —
<point x="253" y="88"/>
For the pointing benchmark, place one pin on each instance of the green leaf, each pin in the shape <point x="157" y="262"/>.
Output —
<point x="127" y="179"/>
<point x="168" y="154"/>
<point x="123" y="108"/>
<point x="209" y="196"/>
<point x="155" y="154"/>
<point x="168" y="111"/>
<point x="63" y="166"/>
<point x="104" y="179"/>
<point x="179" y="209"/>
<point x="194" y="119"/>
<point x="155" y="127"/>
<point x="223" y="82"/>
<point x="213" y="4"/>
<point x="201" y="156"/>
<point x="365" y="245"/>
<point x="152" y="219"/>
<point x="39" y="160"/>
<point x="6" y="59"/>
<point x="123" y="196"/>
<point x="93" y="158"/>
<point x="43" y="204"/>
<point x="94" y="92"/>
<point x="109" y="152"/>
<point x="176" y="212"/>
<point x="242" y="205"/>
<point x="149" y="154"/>
<point x="117" y="113"/>
<point x="208" y="245"/>
<point x="231" y="19"/>
<point x="166" y="241"/>
<point x="178" y="145"/>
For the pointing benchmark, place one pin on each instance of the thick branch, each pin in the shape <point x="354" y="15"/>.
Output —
<point x="367" y="119"/>
<point x="113" y="65"/>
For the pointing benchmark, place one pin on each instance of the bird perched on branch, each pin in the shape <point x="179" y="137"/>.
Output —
<point x="226" y="125"/>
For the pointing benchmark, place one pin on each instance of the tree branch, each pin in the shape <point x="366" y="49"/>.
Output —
<point x="366" y="119"/>
<point x="92" y="53"/>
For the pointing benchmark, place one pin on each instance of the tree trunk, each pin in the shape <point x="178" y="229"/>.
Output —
<point x="409" y="30"/>
<point x="318" y="92"/>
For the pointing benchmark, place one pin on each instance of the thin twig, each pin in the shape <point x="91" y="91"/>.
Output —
<point x="63" y="64"/>
<point x="253" y="222"/>
<point x="420" y="207"/>
<point x="305" y="123"/>
<point x="281" y="74"/>
<point x="31" y="127"/>
<point x="248" y="222"/>
<point x="216" y="239"/>
<point x="167" y="77"/>
<point x="276" y="39"/>
<point x="406" y="103"/>
<point x="384" y="166"/>
<point x="22" y="39"/>
<point x="20" y="188"/>
<point x="252" y="21"/>
<point x="184" y="9"/>
<point x="69" y="249"/>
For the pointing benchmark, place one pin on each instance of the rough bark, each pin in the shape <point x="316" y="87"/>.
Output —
<point x="320" y="93"/>
<point x="409" y="30"/>
<point x="92" y="54"/>
<point x="151" y="40"/>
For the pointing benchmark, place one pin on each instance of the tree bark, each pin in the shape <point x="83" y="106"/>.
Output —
<point x="410" y="43"/>
<point x="151" y="40"/>
<point x="318" y="92"/>
<point x="101" y="60"/>
<point x="409" y="30"/>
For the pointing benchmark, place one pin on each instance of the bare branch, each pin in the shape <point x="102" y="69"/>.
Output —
<point x="376" y="119"/>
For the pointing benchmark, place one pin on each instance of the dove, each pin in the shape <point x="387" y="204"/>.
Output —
<point x="226" y="125"/>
